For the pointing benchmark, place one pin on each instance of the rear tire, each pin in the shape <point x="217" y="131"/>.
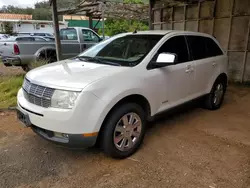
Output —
<point x="215" y="98"/>
<point x="27" y="67"/>
<point x="124" y="130"/>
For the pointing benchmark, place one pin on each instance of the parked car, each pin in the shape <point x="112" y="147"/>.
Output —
<point x="19" y="53"/>
<point x="42" y="34"/>
<point x="6" y="46"/>
<point x="108" y="92"/>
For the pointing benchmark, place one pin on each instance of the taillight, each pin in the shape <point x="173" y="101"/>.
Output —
<point x="16" y="49"/>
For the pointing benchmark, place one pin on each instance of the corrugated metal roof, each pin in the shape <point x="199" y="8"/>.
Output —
<point x="16" y="16"/>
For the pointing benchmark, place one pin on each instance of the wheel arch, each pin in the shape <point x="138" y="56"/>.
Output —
<point x="133" y="98"/>
<point x="223" y="76"/>
<point x="46" y="48"/>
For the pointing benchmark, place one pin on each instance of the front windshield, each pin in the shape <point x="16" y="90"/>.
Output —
<point x="126" y="50"/>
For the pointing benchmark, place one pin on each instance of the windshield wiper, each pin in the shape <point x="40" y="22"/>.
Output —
<point x="96" y="60"/>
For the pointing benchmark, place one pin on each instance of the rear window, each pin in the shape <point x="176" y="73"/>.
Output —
<point x="68" y="34"/>
<point x="203" y="47"/>
<point x="25" y="39"/>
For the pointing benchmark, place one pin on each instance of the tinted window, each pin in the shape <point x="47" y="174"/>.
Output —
<point x="25" y="39"/>
<point x="89" y="36"/>
<point x="39" y="39"/>
<point x="212" y="48"/>
<point x="197" y="45"/>
<point x="203" y="47"/>
<point x="178" y="46"/>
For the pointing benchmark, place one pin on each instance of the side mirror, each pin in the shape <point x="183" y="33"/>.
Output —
<point x="165" y="59"/>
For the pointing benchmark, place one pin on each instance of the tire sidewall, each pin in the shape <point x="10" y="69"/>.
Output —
<point x="212" y="94"/>
<point x="108" y="144"/>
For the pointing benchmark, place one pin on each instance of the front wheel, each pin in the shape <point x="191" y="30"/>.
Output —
<point x="215" y="98"/>
<point x="124" y="130"/>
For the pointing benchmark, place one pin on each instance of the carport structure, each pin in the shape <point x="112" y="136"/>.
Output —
<point x="227" y="20"/>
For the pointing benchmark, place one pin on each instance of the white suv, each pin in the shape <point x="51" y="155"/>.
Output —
<point x="108" y="92"/>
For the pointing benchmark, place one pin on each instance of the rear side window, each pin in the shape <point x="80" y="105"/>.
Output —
<point x="25" y="39"/>
<point x="197" y="46"/>
<point x="212" y="48"/>
<point x="203" y="47"/>
<point x="178" y="46"/>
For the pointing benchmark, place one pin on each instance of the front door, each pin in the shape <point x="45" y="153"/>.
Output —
<point x="177" y="79"/>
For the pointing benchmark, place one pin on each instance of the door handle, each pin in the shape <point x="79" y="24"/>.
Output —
<point x="188" y="71"/>
<point x="214" y="64"/>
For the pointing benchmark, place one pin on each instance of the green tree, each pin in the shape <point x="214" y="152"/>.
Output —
<point x="116" y="26"/>
<point x="8" y="27"/>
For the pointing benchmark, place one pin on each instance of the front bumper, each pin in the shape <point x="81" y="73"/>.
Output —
<point x="77" y="141"/>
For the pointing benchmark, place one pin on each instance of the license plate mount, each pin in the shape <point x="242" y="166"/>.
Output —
<point x="23" y="117"/>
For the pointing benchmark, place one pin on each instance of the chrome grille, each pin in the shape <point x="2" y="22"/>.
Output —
<point x="38" y="95"/>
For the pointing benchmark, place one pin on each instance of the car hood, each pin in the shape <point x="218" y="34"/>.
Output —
<point x="71" y="74"/>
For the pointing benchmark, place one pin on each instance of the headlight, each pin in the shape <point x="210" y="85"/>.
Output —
<point x="64" y="99"/>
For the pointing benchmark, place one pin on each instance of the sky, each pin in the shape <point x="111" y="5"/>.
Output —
<point x="20" y="3"/>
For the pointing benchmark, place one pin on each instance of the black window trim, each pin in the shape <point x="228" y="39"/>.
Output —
<point x="149" y="67"/>
<point x="190" y="50"/>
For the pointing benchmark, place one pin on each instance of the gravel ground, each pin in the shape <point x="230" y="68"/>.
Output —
<point x="195" y="148"/>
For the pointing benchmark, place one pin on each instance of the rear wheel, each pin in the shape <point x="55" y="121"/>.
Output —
<point x="215" y="98"/>
<point x="124" y="130"/>
<point x="46" y="56"/>
<point x="27" y="67"/>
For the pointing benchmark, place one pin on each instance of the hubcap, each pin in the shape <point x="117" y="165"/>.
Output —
<point x="218" y="94"/>
<point x="127" y="131"/>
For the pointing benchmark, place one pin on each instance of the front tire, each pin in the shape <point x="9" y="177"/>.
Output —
<point x="124" y="130"/>
<point x="215" y="98"/>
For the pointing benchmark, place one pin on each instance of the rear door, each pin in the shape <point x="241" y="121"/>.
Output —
<point x="205" y="54"/>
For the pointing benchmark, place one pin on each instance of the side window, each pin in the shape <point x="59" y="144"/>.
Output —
<point x="212" y="48"/>
<point x="89" y="36"/>
<point x="68" y="34"/>
<point x="197" y="46"/>
<point x="25" y="39"/>
<point x="39" y="39"/>
<point x="178" y="46"/>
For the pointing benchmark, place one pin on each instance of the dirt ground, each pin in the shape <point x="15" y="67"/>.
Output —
<point x="4" y="71"/>
<point x="195" y="148"/>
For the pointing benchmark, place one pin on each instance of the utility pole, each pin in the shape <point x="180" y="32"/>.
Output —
<point x="56" y="29"/>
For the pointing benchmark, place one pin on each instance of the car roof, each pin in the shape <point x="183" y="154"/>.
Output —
<point x="164" y="32"/>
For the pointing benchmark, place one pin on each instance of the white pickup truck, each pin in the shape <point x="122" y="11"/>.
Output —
<point x="108" y="92"/>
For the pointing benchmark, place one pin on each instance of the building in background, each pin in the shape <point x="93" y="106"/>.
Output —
<point x="22" y="23"/>
<point x="81" y="21"/>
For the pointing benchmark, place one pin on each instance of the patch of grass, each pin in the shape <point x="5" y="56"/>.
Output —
<point x="9" y="86"/>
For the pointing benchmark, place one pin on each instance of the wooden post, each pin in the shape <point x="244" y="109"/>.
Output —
<point x="245" y="53"/>
<point x="172" y="18"/>
<point x="185" y="17"/>
<point x="230" y="26"/>
<point x="199" y="16"/>
<point x="214" y="14"/>
<point x="56" y="29"/>
<point x="151" y="16"/>
<point x="90" y="22"/>
<point x="103" y="33"/>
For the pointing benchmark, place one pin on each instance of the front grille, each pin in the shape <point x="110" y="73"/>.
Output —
<point x="38" y="95"/>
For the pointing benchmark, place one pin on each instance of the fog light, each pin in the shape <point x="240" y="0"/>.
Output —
<point x="65" y="135"/>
